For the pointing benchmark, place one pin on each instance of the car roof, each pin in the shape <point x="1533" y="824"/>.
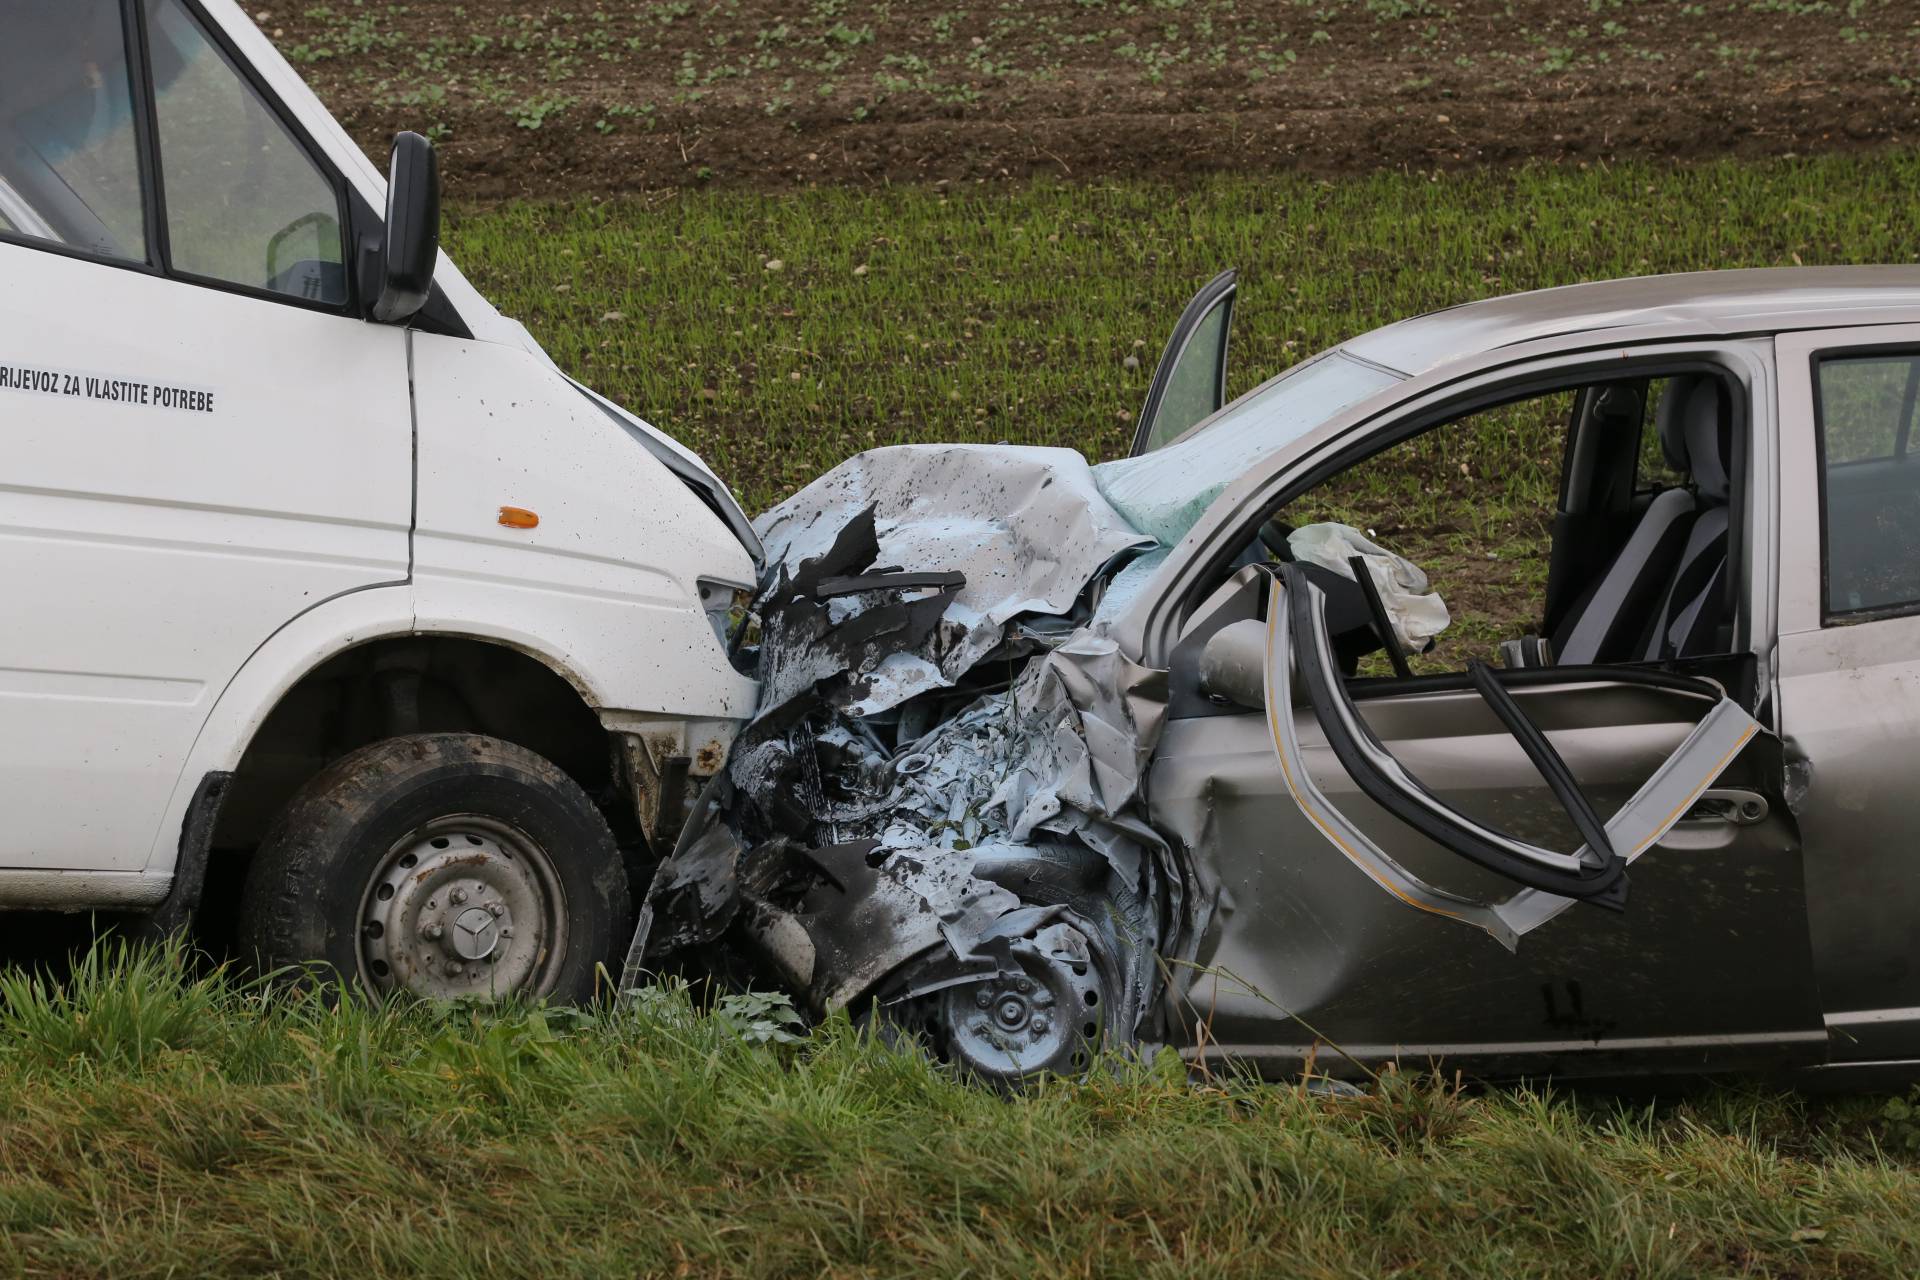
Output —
<point x="1749" y="301"/>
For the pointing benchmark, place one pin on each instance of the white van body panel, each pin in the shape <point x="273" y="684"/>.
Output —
<point x="329" y="628"/>
<point x="170" y="574"/>
<point x="607" y="582"/>
<point x="147" y="551"/>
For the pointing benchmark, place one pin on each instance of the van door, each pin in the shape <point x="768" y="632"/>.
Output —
<point x="1850" y="668"/>
<point x="201" y="437"/>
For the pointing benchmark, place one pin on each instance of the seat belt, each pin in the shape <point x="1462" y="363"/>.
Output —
<point x="1527" y="651"/>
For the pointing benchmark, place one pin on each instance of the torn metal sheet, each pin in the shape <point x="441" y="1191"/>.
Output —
<point x="1026" y="530"/>
<point x="942" y="785"/>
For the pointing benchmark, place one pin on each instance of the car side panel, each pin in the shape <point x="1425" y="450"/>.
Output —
<point x="1850" y="711"/>
<point x="1330" y="954"/>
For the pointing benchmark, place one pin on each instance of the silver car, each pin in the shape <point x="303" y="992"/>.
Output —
<point x="1053" y="756"/>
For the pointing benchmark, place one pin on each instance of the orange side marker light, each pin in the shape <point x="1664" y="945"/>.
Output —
<point x="519" y="518"/>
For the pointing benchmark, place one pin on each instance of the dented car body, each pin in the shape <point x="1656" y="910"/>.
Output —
<point x="1052" y="755"/>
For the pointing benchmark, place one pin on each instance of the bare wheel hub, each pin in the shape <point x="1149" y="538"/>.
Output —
<point x="463" y="906"/>
<point x="474" y="934"/>
<point x="1044" y="1011"/>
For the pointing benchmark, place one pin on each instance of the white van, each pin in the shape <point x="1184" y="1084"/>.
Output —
<point x="320" y="585"/>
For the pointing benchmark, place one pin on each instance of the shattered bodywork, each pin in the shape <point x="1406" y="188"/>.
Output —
<point x="941" y="791"/>
<point x="939" y="810"/>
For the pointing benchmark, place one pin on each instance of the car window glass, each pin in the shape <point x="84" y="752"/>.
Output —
<point x="69" y="157"/>
<point x="245" y="202"/>
<point x="1655" y="471"/>
<point x="1193" y="387"/>
<point x="1869" y="413"/>
<point x="1865" y="402"/>
<point x="1162" y="493"/>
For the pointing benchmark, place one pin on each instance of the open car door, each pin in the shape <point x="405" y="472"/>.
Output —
<point x="1550" y="881"/>
<point x="1354" y="826"/>
<point x="1190" y="382"/>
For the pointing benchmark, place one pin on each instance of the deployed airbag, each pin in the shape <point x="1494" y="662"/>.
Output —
<point x="1415" y="610"/>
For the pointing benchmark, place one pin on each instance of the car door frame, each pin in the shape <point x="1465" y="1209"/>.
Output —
<point x="313" y="130"/>
<point x="1151" y="626"/>
<point x="157" y="259"/>
<point x="1866" y="952"/>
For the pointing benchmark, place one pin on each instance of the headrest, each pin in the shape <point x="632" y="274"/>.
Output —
<point x="1696" y="431"/>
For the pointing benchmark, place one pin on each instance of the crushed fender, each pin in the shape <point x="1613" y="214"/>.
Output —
<point x="941" y="789"/>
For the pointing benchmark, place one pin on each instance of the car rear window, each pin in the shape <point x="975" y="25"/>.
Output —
<point x="1869" y="411"/>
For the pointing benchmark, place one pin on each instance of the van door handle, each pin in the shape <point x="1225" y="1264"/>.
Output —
<point x="1728" y="804"/>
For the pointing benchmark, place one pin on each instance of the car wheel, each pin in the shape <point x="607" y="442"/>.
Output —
<point x="446" y="865"/>
<point x="1047" y="1009"/>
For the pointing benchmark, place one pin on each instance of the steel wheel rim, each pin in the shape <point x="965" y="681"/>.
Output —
<point x="462" y="907"/>
<point x="1045" y="1013"/>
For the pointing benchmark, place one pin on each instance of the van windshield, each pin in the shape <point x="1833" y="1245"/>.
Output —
<point x="69" y="159"/>
<point x="1164" y="492"/>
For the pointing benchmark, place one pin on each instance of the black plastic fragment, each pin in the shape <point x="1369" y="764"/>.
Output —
<point x="1382" y="624"/>
<point x="1540" y="751"/>
<point x="827" y="588"/>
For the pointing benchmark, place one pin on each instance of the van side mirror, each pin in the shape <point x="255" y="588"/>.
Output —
<point x="396" y="272"/>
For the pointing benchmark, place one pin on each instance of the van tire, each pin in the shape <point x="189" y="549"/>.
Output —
<point x="383" y="869"/>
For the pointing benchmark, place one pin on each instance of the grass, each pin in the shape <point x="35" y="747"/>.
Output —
<point x="779" y="334"/>
<point x="158" y="1122"/>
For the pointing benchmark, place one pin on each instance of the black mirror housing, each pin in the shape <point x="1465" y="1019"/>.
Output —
<point x="396" y="271"/>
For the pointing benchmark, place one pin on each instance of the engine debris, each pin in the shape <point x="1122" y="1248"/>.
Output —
<point x="938" y="801"/>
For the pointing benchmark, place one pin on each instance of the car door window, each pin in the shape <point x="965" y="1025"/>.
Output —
<point x="245" y="202"/>
<point x="1190" y="383"/>
<point x="69" y="149"/>
<point x="1868" y="409"/>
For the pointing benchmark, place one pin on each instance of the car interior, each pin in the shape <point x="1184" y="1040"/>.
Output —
<point x="1638" y="548"/>
<point x="1584" y="533"/>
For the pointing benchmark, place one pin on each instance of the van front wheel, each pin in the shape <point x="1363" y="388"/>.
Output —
<point x="448" y="865"/>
